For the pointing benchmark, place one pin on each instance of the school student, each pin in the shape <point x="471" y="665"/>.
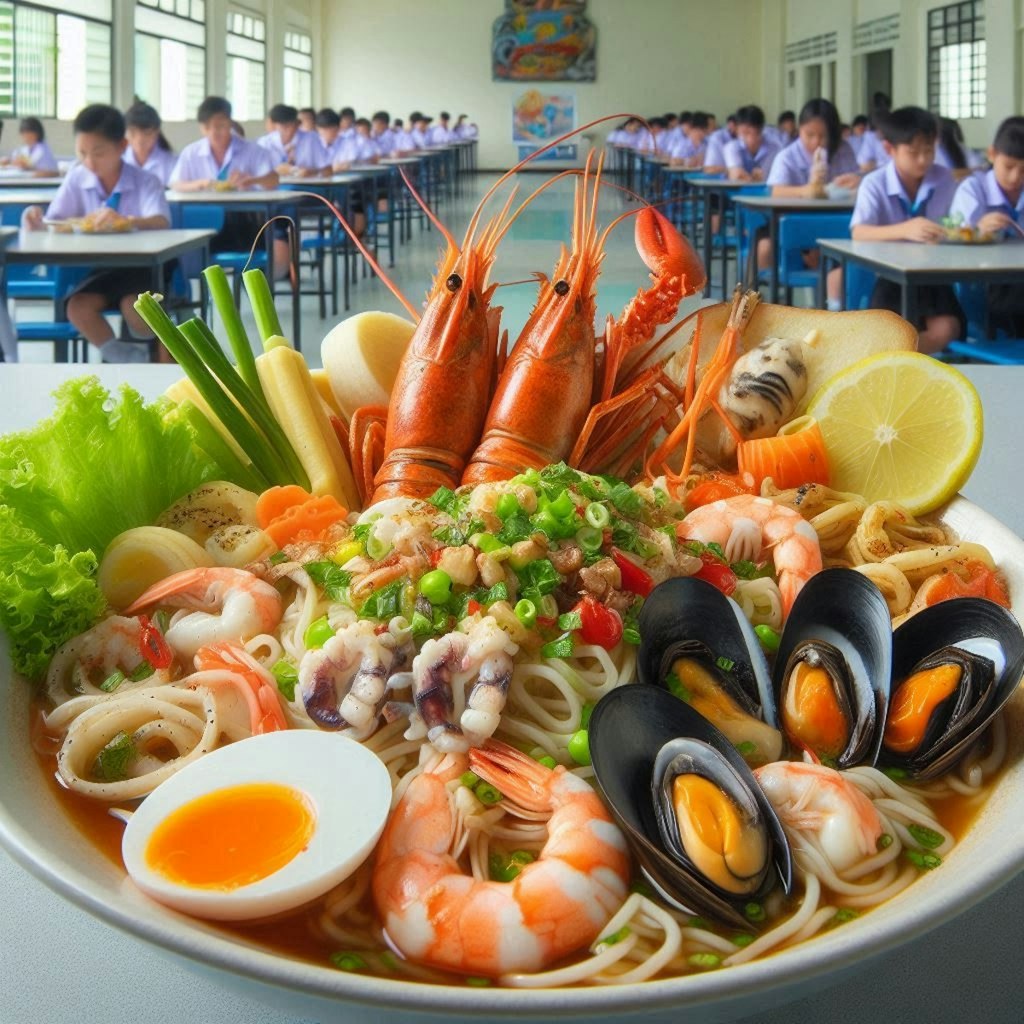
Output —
<point x="381" y="133"/>
<point x="419" y="125"/>
<point x="221" y="156"/>
<point x="403" y="142"/>
<point x="783" y="132"/>
<point x="858" y="127"/>
<point x="464" y="129"/>
<point x="148" y="149"/>
<point x="993" y="202"/>
<point x="307" y="119"/>
<point x="818" y="155"/>
<point x="103" y="185"/>
<point x="34" y="153"/>
<point x="903" y="201"/>
<point x="293" y="151"/>
<point x="440" y="134"/>
<point x="348" y="122"/>
<point x="749" y="156"/>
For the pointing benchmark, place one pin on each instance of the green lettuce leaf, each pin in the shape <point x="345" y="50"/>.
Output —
<point x="100" y="465"/>
<point x="47" y="595"/>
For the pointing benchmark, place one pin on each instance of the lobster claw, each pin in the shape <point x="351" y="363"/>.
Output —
<point x="666" y="252"/>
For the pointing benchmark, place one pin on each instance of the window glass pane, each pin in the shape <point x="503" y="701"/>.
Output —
<point x="298" y="87"/>
<point x="245" y="88"/>
<point x="199" y="10"/>
<point x="35" y="62"/>
<point x="83" y="56"/>
<point x="99" y="9"/>
<point x="147" y="71"/>
<point x="6" y="59"/>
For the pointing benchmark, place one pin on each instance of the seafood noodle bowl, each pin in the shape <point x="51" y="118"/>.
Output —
<point x="597" y="767"/>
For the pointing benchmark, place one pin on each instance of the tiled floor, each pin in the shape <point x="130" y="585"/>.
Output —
<point x="531" y="246"/>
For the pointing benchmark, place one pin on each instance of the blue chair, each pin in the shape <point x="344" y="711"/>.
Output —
<point x="64" y="335"/>
<point x="1000" y="351"/>
<point x="858" y="283"/>
<point x="200" y="216"/>
<point x="797" y="233"/>
<point x="748" y="224"/>
<point x="729" y="236"/>
<point x="974" y="303"/>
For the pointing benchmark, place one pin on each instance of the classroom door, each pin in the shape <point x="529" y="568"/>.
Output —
<point x="877" y="75"/>
<point x="812" y="81"/>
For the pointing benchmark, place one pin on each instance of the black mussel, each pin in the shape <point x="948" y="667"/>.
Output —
<point x="703" y="832"/>
<point x="833" y="667"/>
<point x="700" y="646"/>
<point x="942" y="699"/>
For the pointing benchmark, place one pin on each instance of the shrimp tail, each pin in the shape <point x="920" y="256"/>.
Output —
<point x="523" y="780"/>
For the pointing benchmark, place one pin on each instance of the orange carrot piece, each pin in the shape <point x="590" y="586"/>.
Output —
<point x="274" y="501"/>
<point x="790" y="459"/>
<point x="715" y="486"/>
<point x="306" y="521"/>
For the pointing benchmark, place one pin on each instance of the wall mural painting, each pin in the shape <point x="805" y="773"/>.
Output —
<point x="544" y="41"/>
<point x="538" y="117"/>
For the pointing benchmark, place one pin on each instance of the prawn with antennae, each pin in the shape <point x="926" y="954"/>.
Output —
<point x="561" y="380"/>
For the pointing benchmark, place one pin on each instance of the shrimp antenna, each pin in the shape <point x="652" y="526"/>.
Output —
<point x="427" y="210"/>
<point x="367" y="255"/>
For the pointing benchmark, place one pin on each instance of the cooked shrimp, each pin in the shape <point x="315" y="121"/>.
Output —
<point x="226" y="664"/>
<point x="752" y="528"/>
<point x="814" y="798"/>
<point x="85" y="661"/>
<point x="485" y="652"/>
<point x="224" y="604"/>
<point x="343" y="683"/>
<point x="439" y="916"/>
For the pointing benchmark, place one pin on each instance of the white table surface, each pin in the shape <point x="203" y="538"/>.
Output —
<point x="52" y="246"/>
<point x="58" y="965"/>
<point x="948" y="258"/>
<point x="238" y="197"/>
<point x="34" y="195"/>
<point x="9" y="180"/>
<point x="795" y="203"/>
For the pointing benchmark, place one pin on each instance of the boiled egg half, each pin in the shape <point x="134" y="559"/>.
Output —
<point x="260" y="826"/>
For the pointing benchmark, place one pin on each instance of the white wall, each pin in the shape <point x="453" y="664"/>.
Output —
<point x="653" y="56"/>
<point x="1004" y="22"/>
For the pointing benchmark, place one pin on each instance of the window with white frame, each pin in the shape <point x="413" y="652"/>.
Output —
<point x="957" y="60"/>
<point x="298" y="69"/>
<point x="246" y="65"/>
<point x="38" y="38"/>
<point x="170" y="56"/>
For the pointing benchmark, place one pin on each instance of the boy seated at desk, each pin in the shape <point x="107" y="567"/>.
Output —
<point x="34" y="153"/>
<point x="221" y="158"/>
<point x="690" y="153"/>
<point x="749" y="156"/>
<point x="903" y="201"/>
<point x="110" y="192"/>
<point x="993" y="202"/>
<point x="294" y="152"/>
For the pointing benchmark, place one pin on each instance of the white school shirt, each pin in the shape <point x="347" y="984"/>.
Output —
<point x="737" y="155"/>
<point x="138" y="194"/>
<point x="419" y="138"/>
<point x="196" y="161"/>
<point x="438" y="135"/>
<point x="793" y="165"/>
<point x="384" y="141"/>
<point x="714" y="151"/>
<point x="356" y="150"/>
<point x="160" y="162"/>
<point x="980" y="194"/>
<point x="872" y="151"/>
<point x="882" y="198"/>
<point x="39" y="156"/>
<point x="305" y="150"/>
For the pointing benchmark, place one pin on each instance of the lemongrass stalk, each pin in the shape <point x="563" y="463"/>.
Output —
<point x="262" y="302"/>
<point x="208" y="349"/>
<point x="238" y="339"/>
<point x="208" y="438"/>
<point x="251" y="441"/>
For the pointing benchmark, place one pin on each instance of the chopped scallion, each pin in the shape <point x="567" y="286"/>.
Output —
<point x="113" y="681"/>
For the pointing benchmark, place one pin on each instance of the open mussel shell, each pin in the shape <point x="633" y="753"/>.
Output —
<point x="984" y="642"/>
<point x="724" y="675"/>
<point x="833" y="668"/>
<point x="641" y="738"/>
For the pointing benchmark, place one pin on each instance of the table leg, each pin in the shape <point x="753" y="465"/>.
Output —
<point x="823" y="275"/>
<point x="707" y="241"/>
<point x="773" y="269"/>
<point x="908" y="302"/>
<point x="723" y="249"/>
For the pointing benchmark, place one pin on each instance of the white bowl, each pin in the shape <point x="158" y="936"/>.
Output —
<point x="36" y="831"/>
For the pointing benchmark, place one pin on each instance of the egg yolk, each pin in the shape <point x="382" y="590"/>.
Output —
<point x="233" y="836"/>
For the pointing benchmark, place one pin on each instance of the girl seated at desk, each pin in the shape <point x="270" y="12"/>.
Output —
<point x="148" y="149"/>
<point x="34" y="153"/>
<point x="109" y="191"/>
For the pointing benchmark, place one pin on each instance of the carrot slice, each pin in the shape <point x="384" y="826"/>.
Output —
<point x="795" y="456"/>
<point x="715" y="486"/>
<point x="274" y="501"/>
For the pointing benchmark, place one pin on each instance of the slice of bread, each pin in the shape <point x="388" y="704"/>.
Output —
<point x="833" y="341"/>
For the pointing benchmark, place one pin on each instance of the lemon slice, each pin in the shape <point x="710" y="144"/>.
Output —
<point x="900" y="426"/>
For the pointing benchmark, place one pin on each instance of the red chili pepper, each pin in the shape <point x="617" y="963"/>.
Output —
<point x="381" y="629"/>
<point x="717" y="573"/>
<point x="546" y="622"/>
<point x="473" y="607"/>
<point x="152" y="646"/>
<point x="435" y="557"/>
<point x="598" y="624"/>
<point x="634" y="579"/>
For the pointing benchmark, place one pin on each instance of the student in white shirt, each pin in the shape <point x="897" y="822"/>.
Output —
<point x="148" y="149"/>
<point x="33" y="154"/>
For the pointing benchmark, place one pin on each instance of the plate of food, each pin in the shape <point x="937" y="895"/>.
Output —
<point x="587" y="714"/>
<point x="87" y="225"/>
<point x="958" y="233"/>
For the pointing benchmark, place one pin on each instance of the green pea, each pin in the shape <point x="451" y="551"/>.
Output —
<point x="318" y="632"/>
<point x="487" y="794"/>
<point x="436" y="586"/>
<point x="548" y="761"/>
<point x="579" y="747"/>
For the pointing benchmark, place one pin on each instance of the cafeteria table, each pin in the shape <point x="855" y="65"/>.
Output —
<point x="775" y="208"/>
<point x="912" y="265"/>
<point x="725" y="189"/>
<point x="62" y="966"/>
<point x="266" y="203"/>
<point x="30" y="181"/>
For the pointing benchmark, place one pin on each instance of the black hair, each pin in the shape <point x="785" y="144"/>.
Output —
<point x="860" y="119"/>
<point x="786" y="115"/>
<point x="880" y="102"/>
<point x="656" y="122"/>
<point x="34" y="125"/>
<point x="685" y="116"/>
<point x="347" y="112"/>
<point x="100" y="119"/>
<point x="307" y="110"/>
<point x="362" y="121"/>
<point x="211" y="107"/>
<point x="399" y="123"/>
<point x="236" y="127"/>
<point x="281" y="113"/>
<point x="824" y="110"/>
<point x="462" y="117"/>
<point x="699" y="120"/>
<point x="327" y="118"/>
<point x="445" y="116"/>
<point x="751" y="115"/>
<point x="671" y="116"/>
<point x="142" y="115"/>
<point x="732" y="117"/>
<point x="383" y="115"/>
<point x="900" y="127"/>
<point x="951" y="138"/>
<point x="1009" y="138"/>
